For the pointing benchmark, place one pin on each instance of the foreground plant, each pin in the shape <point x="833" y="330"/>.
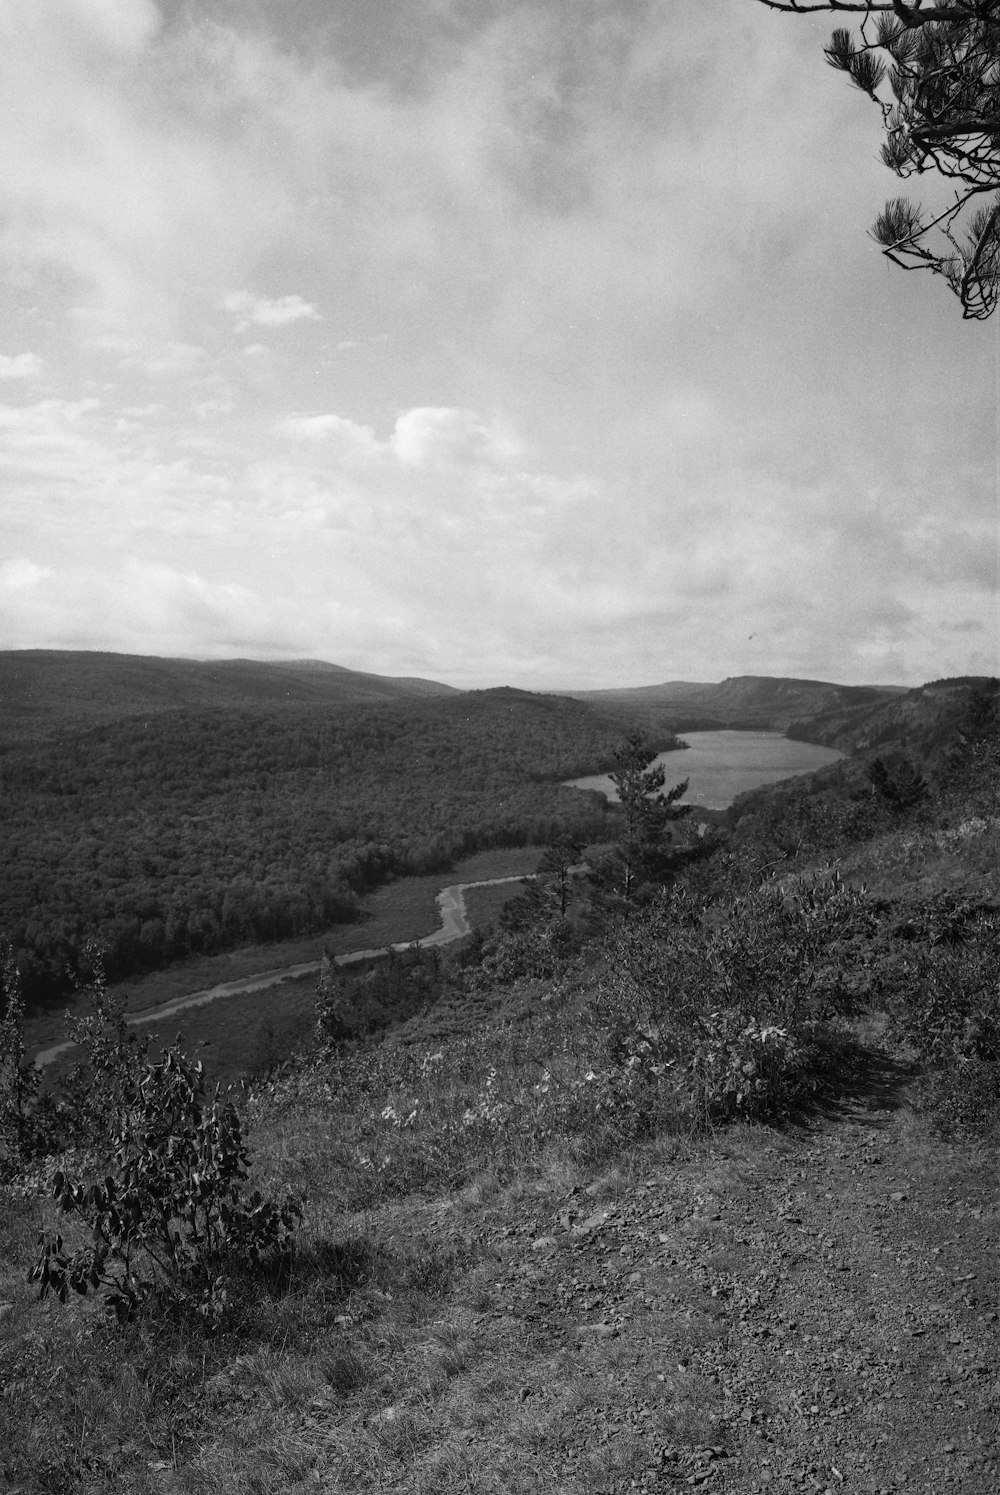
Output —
<point x="172" y="1220"/>
<point x="19" y="1078"/>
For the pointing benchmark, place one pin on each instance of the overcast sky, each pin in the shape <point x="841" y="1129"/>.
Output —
<point x="532" y="343"/>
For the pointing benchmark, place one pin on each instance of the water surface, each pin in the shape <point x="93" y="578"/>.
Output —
<point x="721" y="765"/>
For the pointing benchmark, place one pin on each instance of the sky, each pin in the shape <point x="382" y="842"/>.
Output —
<point x="491" y="341"/>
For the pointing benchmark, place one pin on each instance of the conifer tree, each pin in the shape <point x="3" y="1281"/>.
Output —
<point x="934" y="73"/>
<point x="643" y="851"/>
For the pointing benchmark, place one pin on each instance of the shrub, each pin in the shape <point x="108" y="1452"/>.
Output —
<point x="939" y="982"/>
<point x="172" y="1221"/>
<point x="962" y="1100"/>
<point x="720" y="1005"/>
<point x="19" y="1078"/>
<point x="94" y="1093"/>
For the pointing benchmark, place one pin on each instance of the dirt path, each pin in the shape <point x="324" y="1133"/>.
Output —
<point x="454" y="925"/>
<point x="809" y="1311"/>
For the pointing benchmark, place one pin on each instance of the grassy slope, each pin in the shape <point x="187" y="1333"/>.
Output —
<point x="496" y="1309"/>
<point x="246" y="1033"/>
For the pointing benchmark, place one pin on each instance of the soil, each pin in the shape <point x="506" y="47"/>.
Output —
<point x="814" y="1309"/>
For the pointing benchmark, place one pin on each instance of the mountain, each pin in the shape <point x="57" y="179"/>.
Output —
<point x="741" y="701"/>
<point x="43" y="690"/>
<point x="921" y="723"/>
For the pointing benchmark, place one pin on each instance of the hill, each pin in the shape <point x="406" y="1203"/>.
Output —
<point x="740" y="702"/>
<point x="920" y="723"/>
<point x="47" y="690"/>
<point x="188" y="829"/>
<point x="699" y="1196"/>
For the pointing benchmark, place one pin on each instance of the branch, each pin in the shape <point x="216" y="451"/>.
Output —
<point x="970" y="126"/>
<point x="965" y="284"/>
<point x="911" y="16"/>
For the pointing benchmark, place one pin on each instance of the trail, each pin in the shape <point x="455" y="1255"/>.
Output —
<point x="454" y="925"/>
<point x="796" y="1312"/>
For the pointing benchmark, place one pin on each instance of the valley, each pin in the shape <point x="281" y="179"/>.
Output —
<point x="722" y="764"/>
<point x="453" y="925"/>
<point x="684" y="1169"/>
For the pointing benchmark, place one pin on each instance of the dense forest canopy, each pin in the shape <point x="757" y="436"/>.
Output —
<point x="193" y="831"/>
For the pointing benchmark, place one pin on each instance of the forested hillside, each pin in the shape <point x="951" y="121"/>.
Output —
<point x="921" y="722"/>
<point x="47" y="690"/>
<point x="741" y="702"/>
<point x="195" y="831"/>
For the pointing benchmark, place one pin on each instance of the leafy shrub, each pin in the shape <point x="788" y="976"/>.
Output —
<point x="536" y="952"/>
<point x="720" y="1005"/>
<point x="19" y="1078"/>
<point x="745" y="1069"/>
<point x="962" y="1100"/>
<point x="939" y="982"/>
<point x="172" y="1220"/>
<point x="113" y="1059"/>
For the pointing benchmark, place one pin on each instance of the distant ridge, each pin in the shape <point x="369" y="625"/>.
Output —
<point x="748" y="701"/>
<point x="43" y="689"/>
<point x="921" y="722"/>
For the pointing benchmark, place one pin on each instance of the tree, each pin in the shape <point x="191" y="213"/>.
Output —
<point x="900" y="784"/>
<point x="330" y="1024"/>
<point x="934" y="73"/>
<point x="557" y="863"/>
<point x="643" y="848"/>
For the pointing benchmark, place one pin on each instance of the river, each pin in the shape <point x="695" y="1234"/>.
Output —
<point x="453" y="925"/>
<point x="721" y="765"/>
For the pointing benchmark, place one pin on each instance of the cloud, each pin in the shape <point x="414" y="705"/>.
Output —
<point x="57" y="426"/>
<point x="441" y="437"/>
<point x="121" y="25"/>
<point x="17" y="575"/>
<point x="647" y="389"/>
<point x="261" y="311"/>
<point x="20" y="366"/>
<point x="148" y="607"/>
<point x="170" y="358"/>
<point x="352" y="442"/>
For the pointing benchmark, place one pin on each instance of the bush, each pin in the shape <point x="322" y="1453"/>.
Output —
<point x="721" y="1005"/>
<point x="19" y="1078"/>
<point x="114" y="1056"/>
<point x="939" y="982"/>
<point x="172" y="1221"/>
<point x="962" y="1100"/>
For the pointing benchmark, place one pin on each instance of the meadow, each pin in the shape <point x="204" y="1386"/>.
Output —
<point x="246" y="1034"/>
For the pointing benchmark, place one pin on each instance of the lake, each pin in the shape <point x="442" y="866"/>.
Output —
<point x="721" y="765"/>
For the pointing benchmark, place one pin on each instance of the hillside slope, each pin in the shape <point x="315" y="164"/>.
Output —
<point x="742" y="701"/>
<point x="45" y="690"/>
<point x="920" y="722"/>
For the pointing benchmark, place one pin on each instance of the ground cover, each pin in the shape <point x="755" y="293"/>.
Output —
<point x="245" y="1034"/>
<point x="811" y="1308"/>
<point x="709" y="1202"/>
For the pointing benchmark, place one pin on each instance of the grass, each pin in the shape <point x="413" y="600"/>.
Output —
<point x="394" y="1363"/>
<point x="443" y="1329"/>
<point x="485" y="905"/>
<point x="247" y="1033"/>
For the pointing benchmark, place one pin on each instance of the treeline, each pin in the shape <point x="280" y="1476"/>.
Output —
<point x="195" y="832"/>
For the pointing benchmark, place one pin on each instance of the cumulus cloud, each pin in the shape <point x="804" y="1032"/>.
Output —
<point x="22" y="573"/>
<point x="351" y="442"/>
<point x="630" y="394"/>
<point x="439" y="436"/>
<point x="20" y="365"/>
<point x="262" y="311"/>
